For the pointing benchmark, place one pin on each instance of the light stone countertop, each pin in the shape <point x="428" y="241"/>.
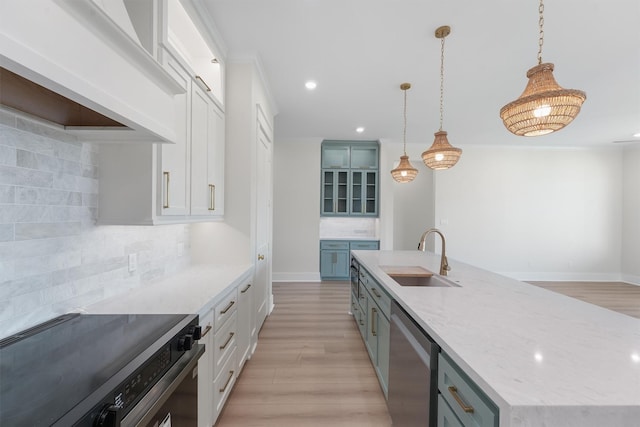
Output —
<point x="545" y="359"/>
<point x="196" y="289"/>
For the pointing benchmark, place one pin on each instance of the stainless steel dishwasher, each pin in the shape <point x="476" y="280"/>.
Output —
<point x="413" y="375"/>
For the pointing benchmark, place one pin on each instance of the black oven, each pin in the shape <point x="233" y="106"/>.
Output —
<point x="101" y="370"/>
<point x="355" y="273"/>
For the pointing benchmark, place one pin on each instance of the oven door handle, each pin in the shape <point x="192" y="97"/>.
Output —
<point x="146" y="409"/>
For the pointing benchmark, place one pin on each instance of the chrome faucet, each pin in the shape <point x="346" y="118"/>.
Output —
<point x="444" y="264"/>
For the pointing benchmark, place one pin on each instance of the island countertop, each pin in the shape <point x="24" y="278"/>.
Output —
<point x="545" y="359"/>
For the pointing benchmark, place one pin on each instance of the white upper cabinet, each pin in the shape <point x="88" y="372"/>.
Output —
<point x="90" y="52"/>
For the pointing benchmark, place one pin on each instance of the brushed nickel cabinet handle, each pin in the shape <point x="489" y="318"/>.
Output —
<point x="376" y="293"/>
<point x="454" y="392"/>
<point x="206" y="331"/>
<point x="245" y="289"/>
<point x="373" y="321"/>
<point x="226" y="384"/>
<point x="227" y="308"/>
<point x="226" y="343"/>
<point x="212" y="197"/>
<point x="204" y="83"/>
<point x="165" y="205"/>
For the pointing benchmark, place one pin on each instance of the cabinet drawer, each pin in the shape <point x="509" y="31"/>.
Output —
<point x="224" y="342"/>
<point x="362" y="297"/>
<point x="334" y="244"/>
<point x="461" y="393"/>
<point x="446" y="417"/>
<point x="224" y="382"/>
<point x="368" y="245"/>
<point x="225" y="308"/>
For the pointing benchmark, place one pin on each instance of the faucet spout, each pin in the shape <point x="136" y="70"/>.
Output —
<point x="444" y="263"/>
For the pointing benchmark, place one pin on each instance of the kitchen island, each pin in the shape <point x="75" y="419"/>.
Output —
<point x="543" y="358"/>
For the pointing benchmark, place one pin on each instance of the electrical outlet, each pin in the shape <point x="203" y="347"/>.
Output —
<point x="133" y="262"/>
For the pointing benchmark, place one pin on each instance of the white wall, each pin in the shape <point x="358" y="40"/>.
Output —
<point x="296" y="210"/>
<point x="535" y="214"/>
<point x="53" y="258"/>
<point x="631" y="215"/>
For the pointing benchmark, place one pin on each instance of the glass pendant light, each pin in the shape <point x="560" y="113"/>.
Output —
<point x="544" y="106"/>
<point x="441" y="154"/>
<point x="405" y="172"/>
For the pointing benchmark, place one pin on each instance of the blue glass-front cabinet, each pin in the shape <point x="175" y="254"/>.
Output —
<point x="349" y="178"/>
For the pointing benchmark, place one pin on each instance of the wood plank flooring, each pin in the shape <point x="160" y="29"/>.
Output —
<point x="617" y="296"/>
<point x="310" y="367"/>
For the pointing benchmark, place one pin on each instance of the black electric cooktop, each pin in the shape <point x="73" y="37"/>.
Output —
<point x="48" y="370"/>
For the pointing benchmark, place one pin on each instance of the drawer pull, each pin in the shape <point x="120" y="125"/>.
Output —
<point x="226" y="343"/>
<point x="226" y="384"/>
<point x="245" y="289"/>
<point x="227" y="308"/>
<point x="454" y="392"/>
<point x="206" y="331"/>
<point x="373" y="321"/>
<point x="204" y="83"/>
<point x="376" y="293"/>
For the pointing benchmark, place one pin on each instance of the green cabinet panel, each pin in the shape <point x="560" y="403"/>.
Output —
<point x="334" y="264"/>
<point x="335" y="192"/>
<point x="376" y="329"/>
<point x="457" y="389"/>
<point x="349" y="178"/>
<point x="446" y="417"/>
<point x="334" y="257"/>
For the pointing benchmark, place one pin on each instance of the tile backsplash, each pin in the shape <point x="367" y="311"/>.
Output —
<point x="53" y="257"/>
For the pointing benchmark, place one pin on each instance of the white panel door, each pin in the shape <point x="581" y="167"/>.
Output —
<point x="201" y="192"/>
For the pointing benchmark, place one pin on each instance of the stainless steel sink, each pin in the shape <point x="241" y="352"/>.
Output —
<point x="433" y="281"/>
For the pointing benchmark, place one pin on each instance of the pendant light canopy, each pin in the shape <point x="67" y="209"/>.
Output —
<point x="405" y="172"/>
<point x="544" y="106"/>
<point x="441" y="154"/>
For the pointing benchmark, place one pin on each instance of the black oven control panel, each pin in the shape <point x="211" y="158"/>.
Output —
<point x="118" y="403"/>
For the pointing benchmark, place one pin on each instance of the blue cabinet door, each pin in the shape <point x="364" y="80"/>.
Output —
<point x="334" y="264"/>
<point x="364" y="193"/>
<point x="335" y="192"/>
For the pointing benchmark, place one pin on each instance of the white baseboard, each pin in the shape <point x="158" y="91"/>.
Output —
<point x="296" y="277"/>
<point x="634" y="280"/>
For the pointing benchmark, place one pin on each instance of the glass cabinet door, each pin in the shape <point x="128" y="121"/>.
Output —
<point x="335" y="192"/>
<point x="364" y="193"/>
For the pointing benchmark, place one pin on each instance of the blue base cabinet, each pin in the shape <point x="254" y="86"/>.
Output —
<point x="335" y="256"/>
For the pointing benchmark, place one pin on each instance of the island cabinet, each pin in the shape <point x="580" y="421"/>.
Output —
<point x="349" y="184"/>
<point x="371" y="308"/>
<point x="334" y="256"/>
<point x="460" y="401"/>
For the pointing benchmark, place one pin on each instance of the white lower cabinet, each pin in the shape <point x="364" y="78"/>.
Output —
<point x="226" y="334"/>
<point x="205" y="371"/>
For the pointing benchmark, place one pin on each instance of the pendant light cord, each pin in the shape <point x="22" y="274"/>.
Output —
<point x="441" y="80"/>
<point x="404" y="131"/>
<point x="541" y="37"/>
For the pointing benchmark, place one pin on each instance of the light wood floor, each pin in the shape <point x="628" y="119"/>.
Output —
<point x="617" y="296"/>
<point x="310" y="368"/>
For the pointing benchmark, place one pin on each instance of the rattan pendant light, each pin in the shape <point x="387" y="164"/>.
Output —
<point x="441" y="154"/>
<point x="544" y="106"/>
<point x="405" y="172"/>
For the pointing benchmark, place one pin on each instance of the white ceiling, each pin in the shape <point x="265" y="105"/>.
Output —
<point x="360" y="51"/>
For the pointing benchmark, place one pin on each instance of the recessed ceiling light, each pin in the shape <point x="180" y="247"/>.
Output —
<point x="360" y="129"/>
<point x="636" y="135"/>
<point x="310" y="85"/>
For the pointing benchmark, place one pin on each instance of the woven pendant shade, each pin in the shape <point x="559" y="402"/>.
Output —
<point x="405" y="172"/>
<point x="441" y="154"/>
<point x="543" y="107"/>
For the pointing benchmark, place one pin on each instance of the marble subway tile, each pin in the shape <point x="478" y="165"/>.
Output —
<point x="7" y="232"/>
<point x="25" y="267"/>
<point x="44" y="129"/>
<point x="7" y="194"/>
<point x="41" y="196"/>
<point x="46" y="230"/>
<point x="39" y="247"/>
<point x="29" y="177"/>
<point x="90" y="199"/>
<point x="8" y="155"/>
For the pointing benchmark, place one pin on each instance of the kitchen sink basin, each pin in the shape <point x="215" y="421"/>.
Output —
<point x="416" y="276"/>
